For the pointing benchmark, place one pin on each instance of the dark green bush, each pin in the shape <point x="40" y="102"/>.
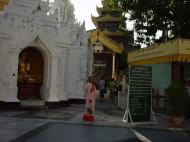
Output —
<point x="177" y="100"/>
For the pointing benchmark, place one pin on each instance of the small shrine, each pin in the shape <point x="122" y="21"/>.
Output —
<point x="43" y="52"/>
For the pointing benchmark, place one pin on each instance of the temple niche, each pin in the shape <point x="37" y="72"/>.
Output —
<point x="43" y="52"/>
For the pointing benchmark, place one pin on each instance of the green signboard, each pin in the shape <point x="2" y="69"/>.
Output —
<point x="140" y="90"/>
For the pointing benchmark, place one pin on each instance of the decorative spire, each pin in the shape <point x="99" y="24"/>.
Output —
<point x="64" y="10"/>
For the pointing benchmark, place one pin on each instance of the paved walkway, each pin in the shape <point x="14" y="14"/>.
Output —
<point x="15" y="124"/>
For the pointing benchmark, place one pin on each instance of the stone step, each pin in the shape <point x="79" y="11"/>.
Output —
<point x="32" y="103"/>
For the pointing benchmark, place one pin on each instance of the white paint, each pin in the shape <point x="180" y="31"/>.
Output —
<point x="140" y="136"/>
<point x="63" y="44"/>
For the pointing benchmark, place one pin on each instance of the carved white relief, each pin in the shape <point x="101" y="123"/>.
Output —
<point x="5" y="69"/>
<point x="65" y="12"/>
<point x="28" y="25"/>
<point x="69" y="14"/>
<point x="79" y="36"/>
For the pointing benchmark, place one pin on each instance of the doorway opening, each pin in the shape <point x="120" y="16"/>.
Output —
<point x="30" y="74"/>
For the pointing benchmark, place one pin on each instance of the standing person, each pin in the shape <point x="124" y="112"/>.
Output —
<point x="112" y="86"/>
<point x="102" y="84"/>
<point x="123" y="83"/>
<point x="90" y="95"/>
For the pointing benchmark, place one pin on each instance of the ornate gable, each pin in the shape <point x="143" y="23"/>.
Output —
<point x="33" y="17"/>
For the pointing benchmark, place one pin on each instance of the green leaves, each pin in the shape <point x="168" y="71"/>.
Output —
<point x="169" y="16"/>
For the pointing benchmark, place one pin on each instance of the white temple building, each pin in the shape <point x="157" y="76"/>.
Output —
<point x="43" y="52"/>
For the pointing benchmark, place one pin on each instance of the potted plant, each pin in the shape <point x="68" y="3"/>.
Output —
<point x="177" y="102"/>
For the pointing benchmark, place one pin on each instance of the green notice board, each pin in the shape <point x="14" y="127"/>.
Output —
<point x="140" y="90"/>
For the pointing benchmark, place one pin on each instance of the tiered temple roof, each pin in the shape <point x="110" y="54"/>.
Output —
<point x="108" y="27"/>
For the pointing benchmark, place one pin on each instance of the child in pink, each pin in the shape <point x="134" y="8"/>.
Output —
<point x="90" y="95"/>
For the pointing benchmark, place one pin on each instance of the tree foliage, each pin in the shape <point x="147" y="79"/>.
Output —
<point x="150" y="16"/>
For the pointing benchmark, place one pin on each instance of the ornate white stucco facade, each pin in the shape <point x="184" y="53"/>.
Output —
<point x="62" y="42"/>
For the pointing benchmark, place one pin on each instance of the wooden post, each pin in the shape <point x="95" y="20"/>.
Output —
<point x="113" y="65"/>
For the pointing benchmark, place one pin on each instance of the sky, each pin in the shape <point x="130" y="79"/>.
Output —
<point x="84" y="9"/>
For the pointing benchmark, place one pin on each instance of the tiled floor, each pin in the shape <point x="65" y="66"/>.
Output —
<point x="14" y="124"/>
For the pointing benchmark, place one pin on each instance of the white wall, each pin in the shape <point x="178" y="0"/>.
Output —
<point x="75" y="73"/>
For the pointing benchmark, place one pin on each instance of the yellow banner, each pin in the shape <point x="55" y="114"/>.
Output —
<point x="177" y="50"/>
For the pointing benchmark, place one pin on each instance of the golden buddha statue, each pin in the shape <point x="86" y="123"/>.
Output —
<point x="24" y="75"/>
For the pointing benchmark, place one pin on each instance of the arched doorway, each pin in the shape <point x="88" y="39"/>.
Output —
<point x="30" y="74"/>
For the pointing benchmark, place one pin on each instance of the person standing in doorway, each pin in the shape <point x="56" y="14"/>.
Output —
<point x="102" y="84"/>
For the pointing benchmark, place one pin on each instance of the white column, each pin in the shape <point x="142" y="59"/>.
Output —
<point x="53" y="92"/>
<point x="113" y="65"/>
<point x="12" y="88"/>
<point x="62" y="67"/>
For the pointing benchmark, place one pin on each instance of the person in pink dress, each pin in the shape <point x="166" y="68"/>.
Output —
<point x="90" y="95"/>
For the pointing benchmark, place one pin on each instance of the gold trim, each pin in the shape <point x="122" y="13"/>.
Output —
<point x="108" y="18"/>
<point x="115" y="33"/>
<point x="99" y="9"/>
<point x="177" y="50"/>
<point x="3" y="3"/>
<point x="97" y="35"/>
<point x="164" y="59"/>
<point x="94" y="21"/>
